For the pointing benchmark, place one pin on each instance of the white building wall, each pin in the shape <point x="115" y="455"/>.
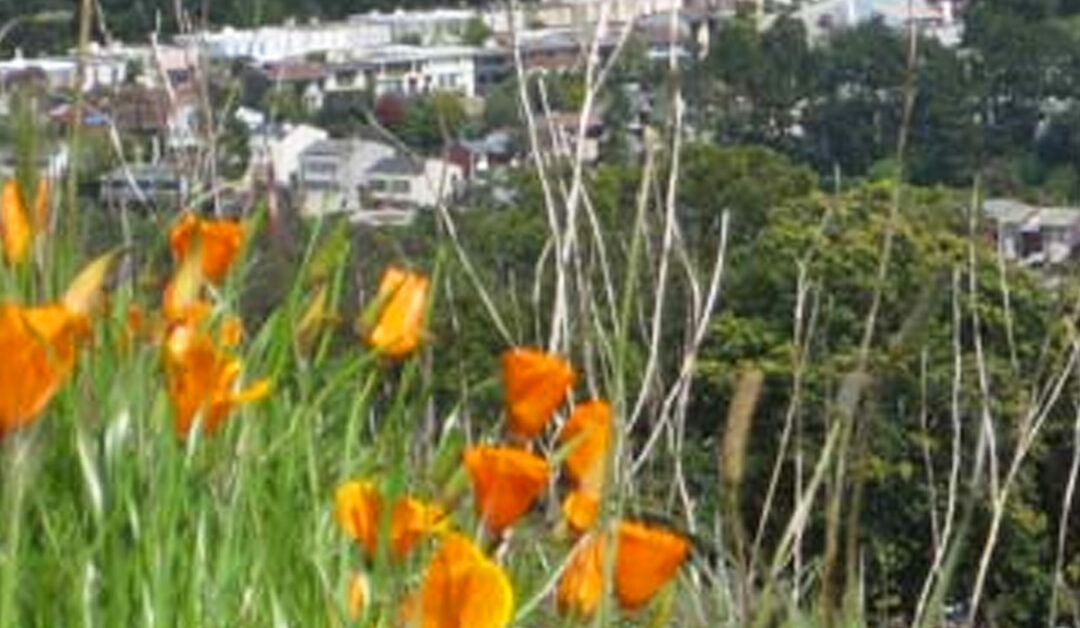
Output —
<point x="557" y="13"/>
<point x="282" y="42"/>
<point x="438" y="182"/>
<point x="420" y="71"/>
<point x="337" y="190"/>
<point x="284" y="153"/>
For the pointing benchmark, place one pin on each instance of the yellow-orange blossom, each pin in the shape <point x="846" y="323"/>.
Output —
<point x="201" y="378"/>
<point x="39" y="346"/>
<point x="399" y="327"/>
<point x="220" y="242"/>
<point x="17" y="228"/>
<point x="464" y="589"/>
<point x="359" y="504"/>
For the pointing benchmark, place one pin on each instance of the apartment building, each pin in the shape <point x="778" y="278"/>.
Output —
<point x="556" y="13"/>
<point x="434" y="27"/>
<point x="407" y="70"/>
<point x="291" y="40"/>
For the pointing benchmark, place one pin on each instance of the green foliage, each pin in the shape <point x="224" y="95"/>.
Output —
<point x="431" y="120"/>
<point x="501" y="107"/>
<point x="476" y="32"/>
<point x="283" y="103"/>
<point x="234" y="148"/>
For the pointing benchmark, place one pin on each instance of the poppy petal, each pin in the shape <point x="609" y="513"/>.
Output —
<point x="506" y="483"/>
<point x="535" y="383"/>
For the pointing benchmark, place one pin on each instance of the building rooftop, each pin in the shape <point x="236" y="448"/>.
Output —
<point x="1057" y="216"/>
<point x="399" y="164"/>
<point x="1019" y="213"/>
<point x="343" y="147"/>
<point x="414" y="17"/>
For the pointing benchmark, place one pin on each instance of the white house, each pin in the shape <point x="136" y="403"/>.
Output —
<point x="1032" y="235"/>
<point x="331" y="174"/>
<point x="276" y="152"/>
<point x="58" y="72"/>
<point x="402" y="182"/>
<point x="145" y="185"/>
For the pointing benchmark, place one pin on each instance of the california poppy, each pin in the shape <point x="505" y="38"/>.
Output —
<point x="581" y="508"/>
<point x="582" y="583"/>
<point x="16" y="228"/>
<point x="231" y="332"/>
<point x="402" y="302"/>
<point x="535" y="384"/>
<point x="39" y="346"/>
<point x="202" y="378"/>
<point x="648" y="557"/>
<point x="506" y="483"/>
<point x="590" y="431"/>
<point x="464" y="589"/>
<point x="359" y="512"/>
<point x="220" y="240"/>
<point x="182" y="302"/>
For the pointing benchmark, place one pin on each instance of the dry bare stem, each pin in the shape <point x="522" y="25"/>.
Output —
<point x="943" y="538"/>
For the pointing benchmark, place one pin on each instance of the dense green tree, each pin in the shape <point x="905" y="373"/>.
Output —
<point x="834" y="243"/>
<point x="944" y="134"/>
<point x="234" y="148"/>
<point x="854" y="119"/>
<point x="432" y="120"/>
<point x="501" y="106"/>
<point x="476" y="32"/>
<point x="716" y="179"/>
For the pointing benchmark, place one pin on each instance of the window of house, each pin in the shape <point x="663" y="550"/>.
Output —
<point x="321" y="167"/>
<point x="399" y="187"/>
<point x="378" y="185"/>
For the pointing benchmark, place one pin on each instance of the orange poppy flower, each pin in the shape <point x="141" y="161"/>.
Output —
<point x="221" y="241"/>
<point x="39" y="346"/>
<point x="15" y="227"/>
<point x="582" y="583"/>
<point x="203" y="379"/>
<point x="581" y="509"/>
<point x="464" y="589"/>
<point x="402" y="300"/>
<point x="648" y="558"/>
<point x="506" y="483"/>
<point x="536" y="383"/>
<point x="359" y="508"/>
<point x="590" y="429"/>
